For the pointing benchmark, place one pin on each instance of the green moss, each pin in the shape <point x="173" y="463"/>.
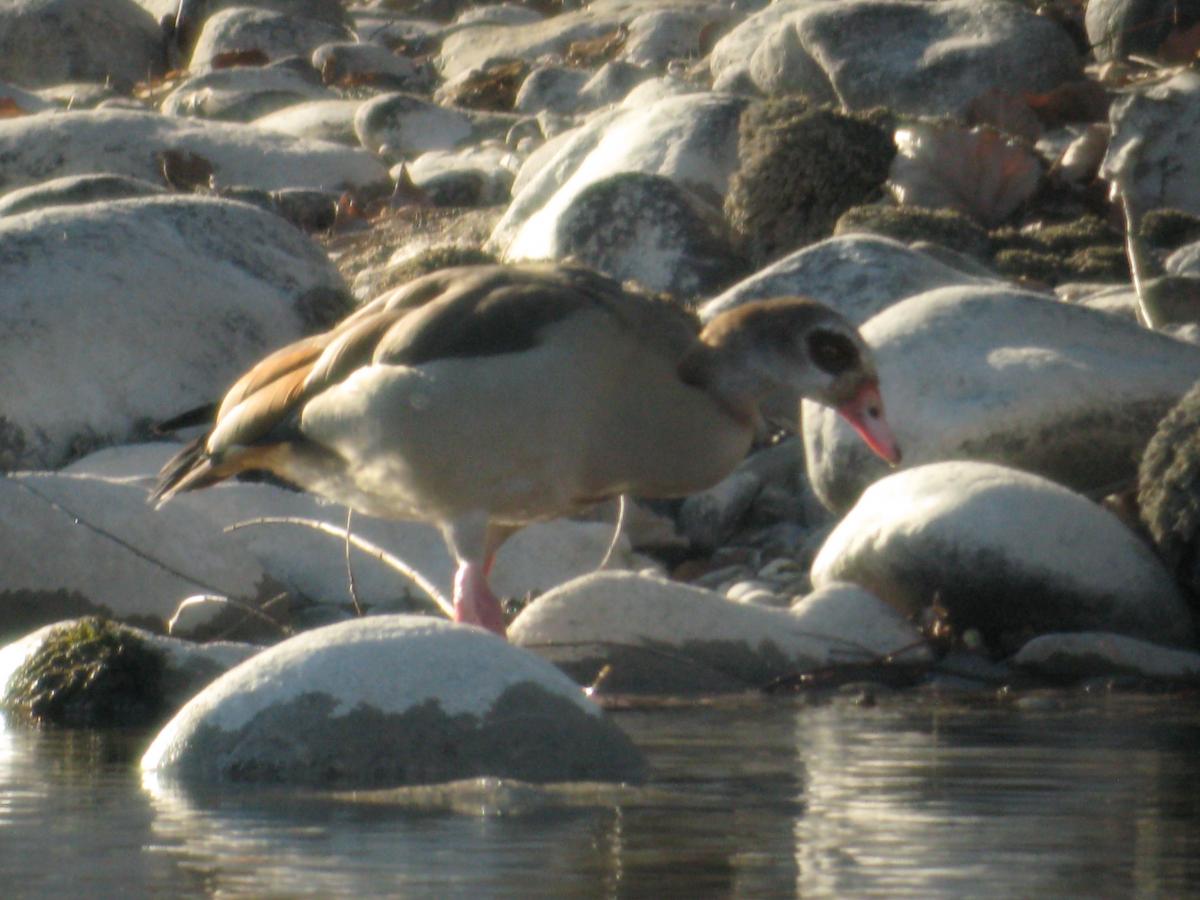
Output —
<point x="91" y="673"/>
<point x="801" y="167"/>
<point x="1169" y="229"/>
<point x="1084" y="249"/>
<point x="947" y="227"/>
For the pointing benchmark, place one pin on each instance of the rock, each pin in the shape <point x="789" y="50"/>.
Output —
<point x="611" y="83"/>
<point x="243" y="93"/>
<point x="36" y="148"/>
<point x="78" y="284"/>
<point x="474" y="176"/>
<point x="1005" y="375"/>
<point x="387" y="701"/>
<point x="321" y="120"/>
<point x="93" y="673"/>
<point x="800" y="168"/>
<point x="857" y="274"/>
<point x="644" y="228"/>
<point x="640" y="634"/>
<point x="914" y="58"/>
<point x="275" y="34"/>
<point x="1097" y="654"/>
<point x="71" y="190"/>
<point x="1118" y="28"/>
<point x="946" y="229"/>
<point x="403" y="126"/>
<point x="689" y="139"/>
<point x="44" y="42"/>
<point x="1149" y="157"/>
<point x="1185" y="261"/>
<point x="73" y="546"/>
<point x="22" y="101"/>
<point x="657" y="37"/>
<point x="1005" y="552"/>
<point x="551" y="87"/>
<point x="709" y="518"/>
<point x="352" y="64"/>
<point x="841" y="611"/>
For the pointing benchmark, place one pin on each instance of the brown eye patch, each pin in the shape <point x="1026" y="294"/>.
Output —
<point x="832" y="352"/>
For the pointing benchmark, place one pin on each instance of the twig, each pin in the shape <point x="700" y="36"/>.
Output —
<point x="353" y="588"/>
<point x="198" y="599"/>
<point x="620" y="524"/>
<point x="363" y="546"/>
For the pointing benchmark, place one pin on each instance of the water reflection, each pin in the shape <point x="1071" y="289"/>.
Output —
<point x="911" y="798"/>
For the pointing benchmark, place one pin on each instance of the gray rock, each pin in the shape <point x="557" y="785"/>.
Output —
<point x="611" y="83"/>
<point x="320" y="120"/>
<point x="1151" y="157"/>
<point x="644" y="228"/>
<point x="25" y="101"/>
<point x="243" y="93"/>
<point x="662" y="35"/>
<point x="841" y="611"/>
<point x="1010" y="376"/>
<point x="74" y="189"/>
<point x="44" y="42"/>
<point x="403" y="126"/>
<point x="658" y="636"/>
<point x="36" y="148"/>
<point x="387" y="701"/>
<point x="859" y="275"/>
<point x="918" y="58"/>
<point x="474" y="176"/>
<point x="111" y="693"/>
<point x="73" y="546"/>
<point x="1184" y="261"/>
<point x="366" y="63"/>
<point x="1118" y="28"/>
<point x="123" y="312"/>
<point x="691" y="140"/>
<point x="551" y="87"/>
<point x="710" y="517"/>
<point x="1005" y="552"/>
<point x="1097" y="654"/>
<point x="276" y="34"/>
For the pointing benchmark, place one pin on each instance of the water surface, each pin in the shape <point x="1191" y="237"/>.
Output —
<point x="1064" y="795"/>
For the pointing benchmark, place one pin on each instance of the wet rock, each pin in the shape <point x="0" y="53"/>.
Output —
<point x="44" y="42"/>
<point x="321" y="120"/>
<point x="1150" y="158"/>
<point x="917" y="58"/>
<point x="857" y="274"/>
<point x="75" y="189"/>
<point x="391" y="700"/>
<point x="1005" y="552"/>
<point x="1097" y="654"/>
<point x="36" y="148"/>
<point x="277" y="35"/>
<point x="76" y="546"/>
<point x="800" y="168"/>
<point x="94" y="673"/>
<point x="1119" y="28"/>
<point x="647" y="229"/>
<point x="690" y="140"/>
<point x="243" y="94"/>
<point x="79" y="283"/>
<point x="639" y="634"/>
<point x="993" y="373"/>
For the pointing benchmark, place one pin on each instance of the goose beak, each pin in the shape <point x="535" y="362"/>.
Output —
<point x="865" y="415"/>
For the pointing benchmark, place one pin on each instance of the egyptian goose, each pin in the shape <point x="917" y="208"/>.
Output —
<point x="482" y="398"/>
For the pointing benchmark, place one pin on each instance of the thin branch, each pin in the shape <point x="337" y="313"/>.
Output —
<point x="200" y="599"/>
<point x="353" y="588"/>
<point x="363" y="546"/>
<point x="620" y="524"/>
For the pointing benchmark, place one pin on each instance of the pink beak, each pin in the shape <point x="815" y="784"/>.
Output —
<point x="865" y="415"/>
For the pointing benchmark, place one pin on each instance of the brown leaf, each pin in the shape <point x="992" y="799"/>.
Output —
<point x="597" y="51"/>
<point x="1072" y="101"/>
<point x="185" y="171"/>
<point x="493" y="88"/>
<point x="232" y="58"/>
<point x="10" y="109"/>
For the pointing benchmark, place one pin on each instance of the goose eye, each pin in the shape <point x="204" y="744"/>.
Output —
<point x="832" y="352"/>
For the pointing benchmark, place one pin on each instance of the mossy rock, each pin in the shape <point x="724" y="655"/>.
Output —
<point x="909" y="224"/>
<point x="1169" y="491"/>
<point x="1084" y="249"/>
<point x="801" y="167"/>
<point x="1169" y="229"/>
<point x="92" y="673"/>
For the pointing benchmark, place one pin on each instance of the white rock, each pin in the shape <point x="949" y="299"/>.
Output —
<point x="493" y="164"/>
<point x="276" y="34"/>
<point x="123" y="312"/>
<point x="1008" y="553"/>
<point x="390" y="700"/>
<point x="917" y="58"/>
<point x="45" y="42"/>
<point x="372" y="62"/>
<point x="1185" y="261"/>
<point x="322" y="120"/>
<point x="1096" y="653"/>
<point x="25" y="101"/>
<point x="550" y="87"/>
<point x="1151" y="157"/>
<point x="72" y="545"/>
<point x="859" y="275"/>
<point x="74" y="189"/>
<point x="691" y="139"/>
<point x="840" y="611"/>
<point x="1007" y="376"/>
<point x="243" y="93"/>
<point x="659" y="636"/>
<point x="36" y="148"/>
<point x="658" y="37"/>
<point x="408" y="125"/>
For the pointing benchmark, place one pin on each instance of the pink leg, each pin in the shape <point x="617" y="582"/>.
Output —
<point x="474" y="602"/>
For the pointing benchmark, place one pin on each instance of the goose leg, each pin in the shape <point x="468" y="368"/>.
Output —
<point x="474" y="543"/>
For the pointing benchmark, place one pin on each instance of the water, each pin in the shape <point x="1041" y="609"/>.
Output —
<point x="1067" y="796"/>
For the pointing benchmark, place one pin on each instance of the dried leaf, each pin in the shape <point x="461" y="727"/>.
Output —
<point x="185" y="171"/>
<point x="979" y="171"/>
<point x="1073" y="101"/>
<point x="597" y="51"/>
<point x="233" y="58"/>
<point x="493" y="88"/>
<point x="10" y="109"/>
